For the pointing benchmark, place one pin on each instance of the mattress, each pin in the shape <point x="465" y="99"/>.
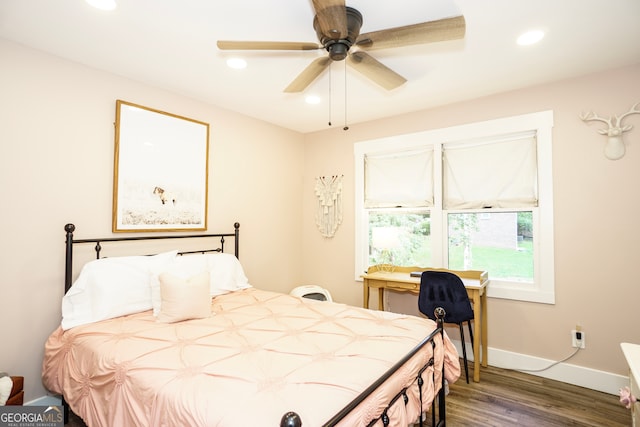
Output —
<point x="259" y="355"/>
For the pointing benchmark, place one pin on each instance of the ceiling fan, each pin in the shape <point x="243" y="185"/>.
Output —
<point x="338" y="30"/>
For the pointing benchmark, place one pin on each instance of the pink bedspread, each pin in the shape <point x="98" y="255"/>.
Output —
<point x="258" y="356"/>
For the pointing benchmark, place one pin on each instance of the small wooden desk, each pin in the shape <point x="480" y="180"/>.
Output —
<point x="475" y="281"/>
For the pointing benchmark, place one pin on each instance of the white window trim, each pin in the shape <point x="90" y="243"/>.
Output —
<point x="543" y="288"/>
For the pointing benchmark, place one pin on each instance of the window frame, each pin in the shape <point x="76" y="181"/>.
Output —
<point x="542" y="290"/>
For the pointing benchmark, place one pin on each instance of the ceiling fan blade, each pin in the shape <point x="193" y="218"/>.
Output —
<point x="375" y="70"/>
<point x="331" y="16"/>
<point x="308" y="75"/>
<point x="258" y="45"/>
<point x="426" y="32"/>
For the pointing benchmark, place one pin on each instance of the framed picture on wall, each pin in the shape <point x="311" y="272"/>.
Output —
<point x="160" y="171"/>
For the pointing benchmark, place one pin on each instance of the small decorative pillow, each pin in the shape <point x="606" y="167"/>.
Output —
<point x="183" y="299"/>
<point x="226" y="273"/>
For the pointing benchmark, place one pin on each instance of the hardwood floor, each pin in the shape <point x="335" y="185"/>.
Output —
<point x="510" y="398"/>
<point x="506" y="398"/>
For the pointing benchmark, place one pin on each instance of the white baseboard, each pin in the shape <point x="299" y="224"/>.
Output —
<point x="566" y="372"/>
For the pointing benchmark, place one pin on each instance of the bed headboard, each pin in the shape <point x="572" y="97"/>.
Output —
<point x="217" y="238"/>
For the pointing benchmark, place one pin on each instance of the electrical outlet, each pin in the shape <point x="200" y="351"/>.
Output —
<point x="577" y="342"/>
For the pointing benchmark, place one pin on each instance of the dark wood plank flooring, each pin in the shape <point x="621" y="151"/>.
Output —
<point x="510" y="398"/>
<point x="506" y="398"/>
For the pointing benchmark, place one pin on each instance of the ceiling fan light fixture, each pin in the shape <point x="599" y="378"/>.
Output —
<point x="338" y="47"/>
<point x="338" y="51"/>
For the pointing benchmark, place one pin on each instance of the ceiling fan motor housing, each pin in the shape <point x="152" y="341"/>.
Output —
<point x="336" y="46"/>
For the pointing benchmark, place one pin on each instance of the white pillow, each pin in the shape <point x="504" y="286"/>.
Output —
<point x="184" y="299"/>
<point x="226" y="274"/>
<point x="112" y="287"/>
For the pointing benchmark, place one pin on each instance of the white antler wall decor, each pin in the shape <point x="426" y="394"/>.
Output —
<point x="614" y="149"/>
<point x="329" y="210"/>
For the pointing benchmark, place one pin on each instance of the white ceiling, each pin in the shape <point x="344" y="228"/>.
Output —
<point x="172" y="44"/>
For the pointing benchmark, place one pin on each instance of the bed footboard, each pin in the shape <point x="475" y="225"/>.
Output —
<point x="292" y="419"/>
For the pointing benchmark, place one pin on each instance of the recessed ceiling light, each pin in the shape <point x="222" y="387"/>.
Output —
<point x="312" y="99"/>
<point x="103" y="4"/>
<point x="237" y="63"/>
<point x="530" y="37"/>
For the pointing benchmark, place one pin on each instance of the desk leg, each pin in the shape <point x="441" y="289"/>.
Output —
<point x="365" y="298"/>
<point x="381" y="299"/>
<point x="478" y="336"/>
<point x="484" y="321"/>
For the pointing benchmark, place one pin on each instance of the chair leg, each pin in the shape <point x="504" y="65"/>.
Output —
<point x="470" y="332"/>
<point x="464" y="353"/>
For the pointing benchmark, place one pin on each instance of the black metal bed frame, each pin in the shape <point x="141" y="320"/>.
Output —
<point x="70" y="241"/>
<point x="290" y="419"/>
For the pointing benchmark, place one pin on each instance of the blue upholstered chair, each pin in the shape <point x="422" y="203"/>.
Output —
<point x="446" y="290"/>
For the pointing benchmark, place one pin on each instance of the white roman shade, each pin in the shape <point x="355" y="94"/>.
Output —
<point x="401" y="179"/>
<point x="496" y="173"/>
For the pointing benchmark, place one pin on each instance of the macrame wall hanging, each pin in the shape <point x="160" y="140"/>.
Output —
<point x="329" y="211"/>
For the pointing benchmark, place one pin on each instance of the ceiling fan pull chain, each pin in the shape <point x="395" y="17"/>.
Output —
<point x="330" y="96"/>
<point x="345" y="97"/>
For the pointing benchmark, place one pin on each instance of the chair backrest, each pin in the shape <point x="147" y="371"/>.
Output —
<point x="446" y="290"/>
<point x="312" y="292"/>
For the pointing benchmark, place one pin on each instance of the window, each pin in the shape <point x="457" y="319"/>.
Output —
<point x="477" y="196"/>
<point x="498" y="242"/>
<point x="399" y="237"/>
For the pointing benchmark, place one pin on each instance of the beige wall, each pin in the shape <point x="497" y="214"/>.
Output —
<point x="596" y="208"/>
<point x="56" y="166"/>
